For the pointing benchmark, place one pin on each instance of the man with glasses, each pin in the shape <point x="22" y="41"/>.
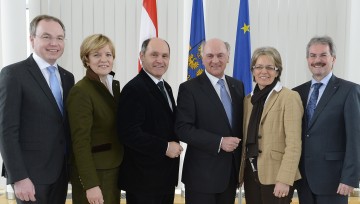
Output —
<point x="34" y="132"/>
<point x="330" y="159"/>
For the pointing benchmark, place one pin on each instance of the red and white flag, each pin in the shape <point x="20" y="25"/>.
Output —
<point x="148" y="24"/>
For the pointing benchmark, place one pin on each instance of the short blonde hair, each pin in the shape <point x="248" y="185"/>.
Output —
<point x="93" y="43"/>
<point x="270" y="52"/>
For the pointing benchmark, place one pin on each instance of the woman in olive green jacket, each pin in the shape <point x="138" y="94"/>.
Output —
<point x="92" y="106"/>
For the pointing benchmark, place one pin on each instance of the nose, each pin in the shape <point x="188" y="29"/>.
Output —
<point x="215" y="59"/>
<point x="104" y="57"/>
<point x="53" y="41"/>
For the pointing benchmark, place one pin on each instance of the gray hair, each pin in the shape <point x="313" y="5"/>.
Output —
<point x="324" y="40"/>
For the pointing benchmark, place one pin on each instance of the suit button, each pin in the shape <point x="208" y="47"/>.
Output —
<point x="259" y="136"/>
<point x="260" y="151"/>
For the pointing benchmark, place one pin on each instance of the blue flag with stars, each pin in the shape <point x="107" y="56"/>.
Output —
<point x="197" y="36"/>
<point x="242" y="48"/>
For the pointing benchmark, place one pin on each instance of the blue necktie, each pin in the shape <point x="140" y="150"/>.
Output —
<point x="310" y="109"/>
<point x="55" y="87"/>
<point x="226" y="100"/>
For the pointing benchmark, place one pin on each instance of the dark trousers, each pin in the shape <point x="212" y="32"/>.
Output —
<point x="136" y="198"/>
<point x="54" y="193"/>
<point x="306" y="196"/>
<point x="226" y="197"/>
<point x="257" y="193"/>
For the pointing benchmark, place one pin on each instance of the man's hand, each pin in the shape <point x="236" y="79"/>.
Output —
<point x="94" y="195"/>
<point x="174" y="150"/>
<point x="25" y="190"/>
<point x="229" y="144"/>
<point x="344" y="189"/>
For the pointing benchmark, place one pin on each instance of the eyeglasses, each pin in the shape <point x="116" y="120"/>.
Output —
<point x="268" y="67"/>
<point x="49" y="38"/>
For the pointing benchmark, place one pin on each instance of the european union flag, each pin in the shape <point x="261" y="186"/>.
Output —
<point x="197" y="36"/>
<point x="242" y="48"/>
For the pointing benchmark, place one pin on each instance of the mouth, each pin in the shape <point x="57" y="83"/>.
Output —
<point x="318" y="65"/>
<point x="103" y="66"/>
<point x="263" y="77"/>
<point x="53" y="50"/>
<point x="159" y="67"/>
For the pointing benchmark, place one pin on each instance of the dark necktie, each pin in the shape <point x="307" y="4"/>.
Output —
<point x="162" y="89"/>
<point x="226" y="100"/>
<point x="55" y="87"/>
<point x="310" y="109"/>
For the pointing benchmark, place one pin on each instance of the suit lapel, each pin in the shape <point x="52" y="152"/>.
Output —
<point x="154" y="90"/>
<point x="329" y="92"/>
<point x="36" y="73"/>
<point x="169" y="91"/>
<point x="235" y="100"/>
<point x="269" y="103"/>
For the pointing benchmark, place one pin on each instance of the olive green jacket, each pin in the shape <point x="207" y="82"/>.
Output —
<point x="92" y="116"/>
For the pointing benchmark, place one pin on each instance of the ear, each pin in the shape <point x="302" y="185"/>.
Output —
<point x="142" y="56"/>
<point x="32" y="41"/>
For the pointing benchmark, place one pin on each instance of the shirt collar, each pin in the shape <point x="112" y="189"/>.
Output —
<point x="213" y="79"/>
<point x="324" y="81"/>
<point x="276" y="88"/>
<point x="42" y="63"/>
<point x="152" y="77"/>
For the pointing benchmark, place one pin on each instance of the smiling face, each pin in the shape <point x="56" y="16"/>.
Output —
<point x="101" y="61"/>
<point x="155" y="59"/>
<point x="320" y="61"/>
<point x="46" y="43"/>
<point x="215" y="56"/>
<point x="264" y="77"/>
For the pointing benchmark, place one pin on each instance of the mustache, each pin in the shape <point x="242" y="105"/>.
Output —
<point x="318" y="64"/>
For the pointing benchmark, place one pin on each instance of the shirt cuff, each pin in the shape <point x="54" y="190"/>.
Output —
<point x="220" y="144"/>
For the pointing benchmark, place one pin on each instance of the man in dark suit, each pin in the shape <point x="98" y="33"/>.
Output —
<point x="149" y="171"/>
<point x="211" y="128"/>
<point x="330" y="159"/>
<point x="33" y="127"/>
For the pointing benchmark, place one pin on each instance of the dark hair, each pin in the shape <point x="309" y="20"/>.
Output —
<point x="34" y="23"/>
<point x="324" y="40"/>
<point x="146" y="42"/>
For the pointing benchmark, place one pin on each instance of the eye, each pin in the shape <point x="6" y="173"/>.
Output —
<point x="45" y="37"/>
<point x="60" y="38"/>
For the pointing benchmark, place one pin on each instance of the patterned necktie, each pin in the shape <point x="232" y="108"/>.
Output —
<point x="162" y="89"/>
<point x="55" y="87"/>
<point x="310" y="109"/>
<point x="226" y="100"/>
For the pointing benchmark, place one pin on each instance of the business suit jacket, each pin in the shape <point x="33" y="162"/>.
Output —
<point x="331" y="153"/>
<point x="201" y="123"/>
<point x="146" y="125"/>
<point x="279" y="137"/>
<point x="33" y="132"/>
<point x="92" y="117"/>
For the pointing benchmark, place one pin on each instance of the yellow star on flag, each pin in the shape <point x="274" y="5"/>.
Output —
<point x="246" y="28"/>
